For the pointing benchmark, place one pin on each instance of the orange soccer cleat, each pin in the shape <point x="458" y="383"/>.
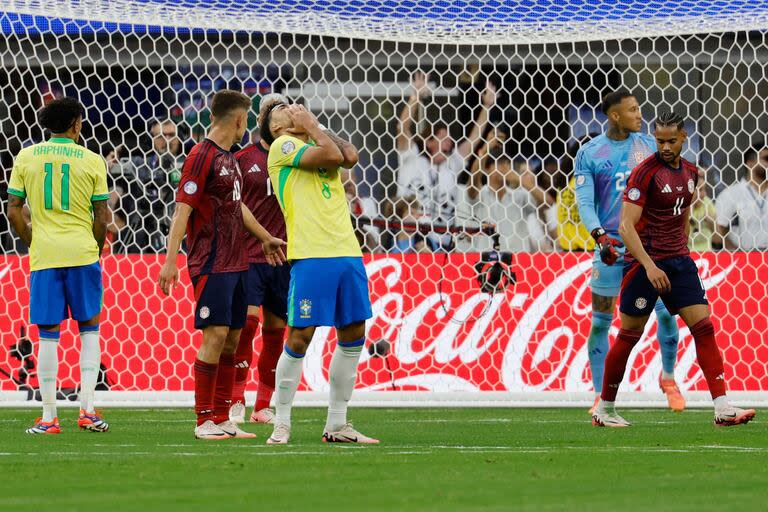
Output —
<point x="92" y="422"/>
<point x="674" y="397"/>
<point x="45" y="427"/>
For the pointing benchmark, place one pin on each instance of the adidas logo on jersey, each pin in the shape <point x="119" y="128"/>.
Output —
<point x="667" y="189"/>
<point x="225" y="172"/>
<point x="254" y="168"/>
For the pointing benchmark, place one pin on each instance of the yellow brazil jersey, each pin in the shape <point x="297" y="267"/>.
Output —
<point x="313" y="202"/>
<point x="571" y="233"/>
<point x="60" y="179"/>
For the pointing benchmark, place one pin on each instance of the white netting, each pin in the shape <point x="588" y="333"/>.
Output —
<point x="146" y="70"/>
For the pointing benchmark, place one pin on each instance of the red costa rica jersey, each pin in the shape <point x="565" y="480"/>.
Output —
<point x="665" y="194"/>
<point x="211" y="184"/>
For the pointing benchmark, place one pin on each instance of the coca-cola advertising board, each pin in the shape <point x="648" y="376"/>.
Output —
<point x="445" y="335"/>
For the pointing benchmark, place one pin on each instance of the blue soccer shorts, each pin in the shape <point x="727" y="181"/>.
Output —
<point x="328" y="291"/>
<point x="268" y="286"/>
<point x="221" y="299"/>
<point x="638" y="296"/>
<point x="56" y="294"/>
<point x="606" y="279"/>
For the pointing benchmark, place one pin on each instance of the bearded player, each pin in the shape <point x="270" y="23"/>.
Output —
<point x="654" y="226"/>
<point x="603" y="167"/>
<point x="209" y="209"/>
<point x="329" y="285"/>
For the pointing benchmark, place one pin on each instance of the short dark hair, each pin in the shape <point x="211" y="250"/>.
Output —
<point x="614" y="98"/>
<point x="226" y="101"/>
<point x="264" y="130"/>
<point x="754" y="151"/>
<point x="60" y="115"/>
<point x="669" y="118"/>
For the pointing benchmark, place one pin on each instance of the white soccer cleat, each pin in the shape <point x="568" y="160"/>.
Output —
<point x="602" y="418"/>
<point x="232" y="430"/>
<point x="209" y="431"/>
<point x="263" y="416"/>
<point x="280" y="435"/>
<point x="730" y="416"/>
<point x="237" y="412"/>
<point x="347" y="434"/>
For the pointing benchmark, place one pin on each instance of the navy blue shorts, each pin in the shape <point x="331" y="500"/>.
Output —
<point x="221" y="299"/>
<point x="328" y="291"/>
<point x="268" y="286"/>
<point x="638" y="296"/>
<point x="57" y="293"/>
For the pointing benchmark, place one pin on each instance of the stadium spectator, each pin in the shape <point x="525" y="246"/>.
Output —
<point x="702" y="220"/>
<point x="742" y="208"/>
<point x="506" y="201"/>
<point x="406" y="241"/>
<point x="430" y="164"/>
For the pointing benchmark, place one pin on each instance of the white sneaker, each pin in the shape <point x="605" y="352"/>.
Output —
<point x="209" y="431"/>
<point x="729" y="416"/>
<point x="280" y="435"/>
<point x="237" y="412"/>
<point x="232" y="430"/>
<point x="602" y="418"/>
<point x="263" y="416"/>
<point x="347" y="434"/>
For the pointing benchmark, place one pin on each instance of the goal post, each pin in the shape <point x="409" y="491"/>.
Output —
<point x="142" y="66"/>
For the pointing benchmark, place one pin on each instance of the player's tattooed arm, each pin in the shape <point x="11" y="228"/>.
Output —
<point x="18" y="222"/>
<point x="348" y="151"/>
<point x="101" y="219"/>
<point x="630" y="216"/>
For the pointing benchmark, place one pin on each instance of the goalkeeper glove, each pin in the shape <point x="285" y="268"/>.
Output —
<point x="607" y="246"/>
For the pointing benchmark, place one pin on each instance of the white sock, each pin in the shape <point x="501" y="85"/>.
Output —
<point x="607" y="406"/>
<point x="287" y="377"/>
<point x="47" y="370"/>
<point x="667" y="375"/>
<point x="343" y="373"/>
<point x="721" y="402"/>
<point x="90" y="361"/>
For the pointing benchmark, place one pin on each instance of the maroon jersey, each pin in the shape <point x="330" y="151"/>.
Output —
<point x="665" y="194"/>
<point x="259" y="197"/>
<point x="211" y="184"/>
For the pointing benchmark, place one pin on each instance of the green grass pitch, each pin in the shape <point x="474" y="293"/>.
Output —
<point x="429" y="459"/>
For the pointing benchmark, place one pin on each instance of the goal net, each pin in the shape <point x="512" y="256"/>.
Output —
<point x="501" y="93"/>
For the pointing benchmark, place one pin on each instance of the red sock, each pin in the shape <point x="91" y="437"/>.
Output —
<point x="272" y="347"/>
<point x="243" y="358"/>
<point x="224" y="382"/>
<point x="205" y="385"/>
<point x="709" y="357"/>
<point x="616" y="363"/>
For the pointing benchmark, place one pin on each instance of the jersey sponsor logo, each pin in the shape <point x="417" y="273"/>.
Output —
<point x="287" y="147"/>
<point x="254" y="168"/>
<point x="641" y="302"/>
<point x="205" y="312"/>
<point x="633" y="194"/>
<point x="580" y="180"/>
<point x="667" y="189"/>
<point x="305" y="306"/>
<point x="691" y="186"/>
<point x="190" y="187"/>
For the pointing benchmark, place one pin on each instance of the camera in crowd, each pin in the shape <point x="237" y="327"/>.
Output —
<point x="494" y="272"/>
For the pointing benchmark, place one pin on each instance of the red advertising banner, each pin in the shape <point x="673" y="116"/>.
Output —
<point x="445" y="335"/>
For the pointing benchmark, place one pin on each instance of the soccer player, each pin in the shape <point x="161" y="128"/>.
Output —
<point x="65" y="185"/>
<point x="329" y="285"/>
<point x="654" y="227"/>
<point x="209" y="209"/>
<point x="603" y="166"/>
<point x="266" y="286"/>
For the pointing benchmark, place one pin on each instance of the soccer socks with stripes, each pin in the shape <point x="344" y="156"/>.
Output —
<point x="47" y="370"/>
<point x="205" y="387"/>
<point x="271" y="348"/>
<point x="597" y="346"/>
<point x="225" y="379"/>
<point x="90" y="362"/>
<point x="668" y="334"/>
<point x="287" y="377"/>
<point x="709" y="357"/>
<point x="616" y="363"/>
<point x="243" y="358"/>
<point x="343" y="373"/>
